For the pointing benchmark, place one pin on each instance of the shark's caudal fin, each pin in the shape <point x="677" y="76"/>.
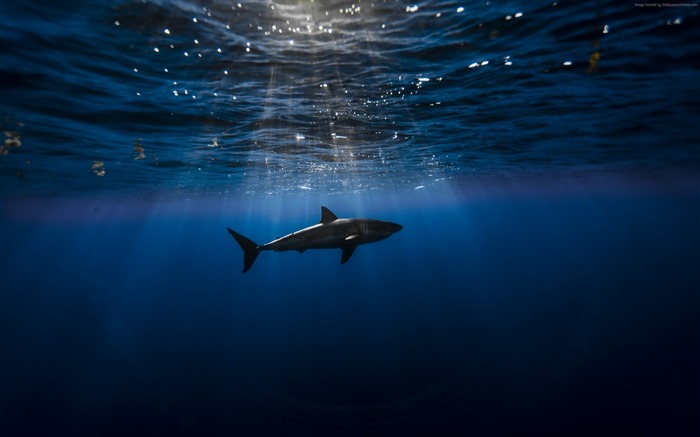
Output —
<point x="250" y="249"/>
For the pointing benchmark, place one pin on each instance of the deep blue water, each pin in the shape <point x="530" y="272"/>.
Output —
<point x="541" y="156"/>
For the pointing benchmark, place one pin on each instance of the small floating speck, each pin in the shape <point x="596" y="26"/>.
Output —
<point x="166" y="31"/>
<point x="138" y="150"/>
<point x="567" y="63"/>
<point x="460" y="9"/>
<point x="13" y="140"/>
<point x="98" y="168"/>
<point x="419" y="187"/>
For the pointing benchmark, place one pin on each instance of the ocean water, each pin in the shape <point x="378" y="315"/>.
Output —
<point x="542" y="158"/>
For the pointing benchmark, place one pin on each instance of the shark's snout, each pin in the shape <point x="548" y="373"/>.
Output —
<point x="394" y="227"/>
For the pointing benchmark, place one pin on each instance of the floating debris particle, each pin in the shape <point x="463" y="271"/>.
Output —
<point x="98" y="167"/>
<point x="138" y="149"/>
<point x="214" y="143"/>
<point x="12" y="140"/>
<point x="593" y="62"/>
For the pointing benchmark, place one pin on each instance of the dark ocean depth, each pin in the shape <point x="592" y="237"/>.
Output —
<point x="542" y="158"/>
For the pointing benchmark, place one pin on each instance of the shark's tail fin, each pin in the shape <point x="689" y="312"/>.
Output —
<point x="250" y="249"/>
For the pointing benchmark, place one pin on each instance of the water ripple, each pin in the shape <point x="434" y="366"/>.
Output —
<point x="339" y="95"/>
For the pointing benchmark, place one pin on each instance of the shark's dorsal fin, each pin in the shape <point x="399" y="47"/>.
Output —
<point x="327" y="216"/>
<point x="348" y="250"/>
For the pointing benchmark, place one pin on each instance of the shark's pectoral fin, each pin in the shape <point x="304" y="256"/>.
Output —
<point x="348" y="250"/>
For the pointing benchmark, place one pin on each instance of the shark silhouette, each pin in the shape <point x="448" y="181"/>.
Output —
<point x="330" y="233"/>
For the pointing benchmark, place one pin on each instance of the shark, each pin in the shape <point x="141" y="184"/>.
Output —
<point x="330" y="233"/>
